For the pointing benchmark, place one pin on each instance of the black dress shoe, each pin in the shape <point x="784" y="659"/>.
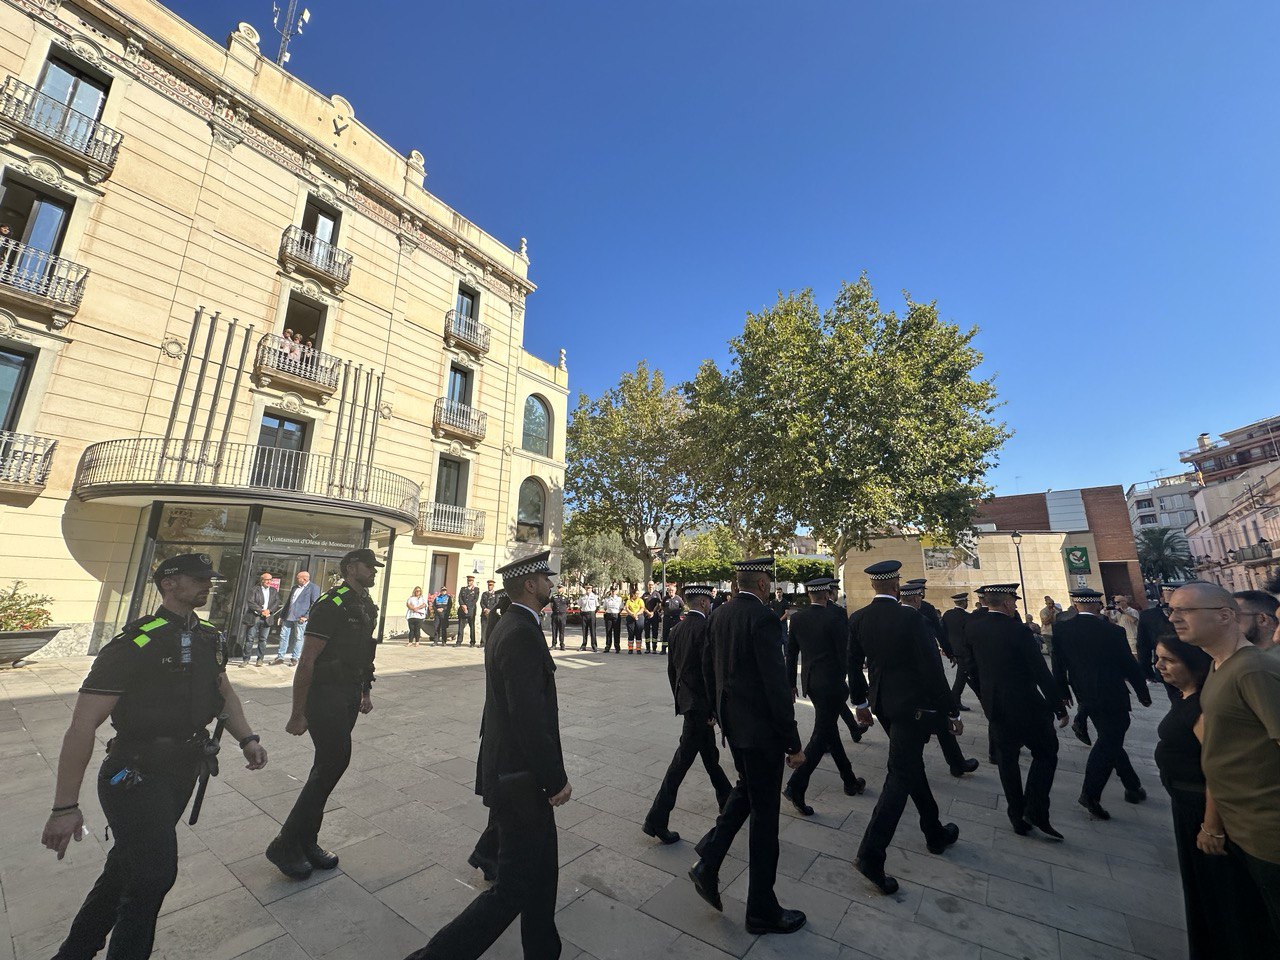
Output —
<point x="1135" y="796"/>
<point x="1044" y="826"/>
<point x="320" y="858"/>
<point x="1095" y="809"/>
<point x="1082" y="734"/>
<point x="289" y="859"/>
<point x="968" y="766"/>
<point x="1020" y="826"/>
<point x="662" y="833"/>
<point x="854" y="787"/>
<point x="950" y="834"/>
<point x="801" y="807"/>
<point x="789" y="921"/>
<point x="707" y="883"/>
<point x="884" y="883"/>
<point x="964" y="709"/>
<point x="487" y="867"/>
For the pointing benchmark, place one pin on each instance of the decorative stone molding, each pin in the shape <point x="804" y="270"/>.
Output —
<point x="225" y="123"/>
<point x="44" y="170"/>
<point x="9" y="328"/>
<point x="562" y="365"/>
<point x="173" y="347"/>
<point x="507" y="450"/>
<point x="455" y="449"/>
<point x="59" y="320"/>
<point x="84" y="49"/>
<point x="385" y="410"/>
<point x="249" y="33"/>
<point x="524" y="249"/>
<point x="133" y="49"/>
<point x="291" y="403"/>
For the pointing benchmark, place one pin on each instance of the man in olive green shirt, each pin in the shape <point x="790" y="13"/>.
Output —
<point x="1241" y="741"/>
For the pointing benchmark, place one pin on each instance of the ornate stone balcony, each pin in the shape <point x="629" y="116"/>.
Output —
<point x="74" y="136"/>
<point x="287" y="365"/>
<point x="37" y="278"/>
<point x="444" y="519"/>
<point x="24" y="462"/>
<point x="300" y="250"/>
<point x="466" y="332"/>
<point x="459" y="420"/>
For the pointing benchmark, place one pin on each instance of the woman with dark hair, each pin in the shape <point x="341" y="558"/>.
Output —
<point x="1226" y="918"/>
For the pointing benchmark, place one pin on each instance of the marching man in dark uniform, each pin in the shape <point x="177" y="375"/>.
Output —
<point x="672" y="611"/>
<point x="841" y="616"/>
<point x="161" y="681"/>
<point x="959" y="764"/>
<point x="698" y="737"/>
<point x="909" y="695"/>
<point x="1153" y="625"/>
<point x="330" y="689"/>
<point x="932" y="617"/>
<point x="521" y="777"/>
<point x="468" y="600"/>
<point x="818" y="641"/>
<point x="953" y="622"/>
<point x="488" y="600"/>
<point x="752" y="702"/>
<point x="1091" y="657"/>
<point x="559" y="604"/>
<point x="1019" y="697"/>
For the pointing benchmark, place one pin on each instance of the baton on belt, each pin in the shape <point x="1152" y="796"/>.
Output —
<point x="210" y="763"/>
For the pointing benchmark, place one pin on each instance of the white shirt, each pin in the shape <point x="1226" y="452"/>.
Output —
<point x="532" y="612"/>
<point x="417" y="607"/>
<point x="588" y="602"/>
<point x="266" y="598"/>
<point x="612" y="604"/>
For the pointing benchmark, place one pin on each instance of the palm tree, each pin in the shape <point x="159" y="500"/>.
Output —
<point x="1164" y="554"/>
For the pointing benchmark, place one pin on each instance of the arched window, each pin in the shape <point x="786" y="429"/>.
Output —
<point x="531" y="512"/>
<point x="537" y="427"/>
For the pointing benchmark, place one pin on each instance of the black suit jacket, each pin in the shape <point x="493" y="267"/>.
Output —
<point x="520" y="732"/>
<point x="1092" y="656"/>
<point x="684" y="665"/>
<point x="906" y="672"/>
<point x="953" y="622"/>
<point x="934" y="619"/>
<point x="253" y="604"/>
<point x="1014" y="683"/>
<point x="817" y="642"/>
<point x="752" y="697"/>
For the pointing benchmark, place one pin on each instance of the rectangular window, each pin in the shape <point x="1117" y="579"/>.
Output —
<point x="1144" y="505"/>
<point x="303" y="322"/>
<point x="69" y="105"/>
<point x="34" y="218"/>
<point x="466" y="308"/>
<point x="320" y="221"/>
<point x="451" y="482"/>
<point x="1146" y="518"/>
<point x="15" y="374"/>
<point x="280" y="460"/>
<point x="439" y="572"/>
<point x="460" y="385"/>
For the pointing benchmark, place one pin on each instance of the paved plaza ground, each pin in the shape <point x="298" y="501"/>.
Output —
<point x="405" y="818"/>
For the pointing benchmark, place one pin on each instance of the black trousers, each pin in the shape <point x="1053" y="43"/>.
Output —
<point x="697" y="739"/>
<point x="668" y="623"/>
<point x="589" y="630"/>
<point x="906" y="778"/>
<point x="415" y="629"/>
<point x="141" y="867"/>
<point x="824" y="739"/>
<point x="1108" y="753"/>
<point x="635" y="633"/>
<point x="486" y="624"/>
<point x="950" y="746"/>
<point x="613" y="631"/>
<point x="440" y="628"/>
<point x="757" y="795"/>
<point x="651" y="626"/>
<point x="855" y="728"/>
<point x="331" y="714"/>
<point x="962" y="678"/>
<point x="525" y="888"/>
<point x="486" y="851"/>
<point x="467" y="621"/>
<point x="558" y="622"/>
<point x="1038" y="736"/>
<point x="1266" y="879"/>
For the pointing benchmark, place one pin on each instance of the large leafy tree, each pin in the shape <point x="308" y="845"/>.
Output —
<point x="627" y="463"/>
<point x="851" y="421"/>
<point x="598" y="558"/>
<point x="1164" y="554"/>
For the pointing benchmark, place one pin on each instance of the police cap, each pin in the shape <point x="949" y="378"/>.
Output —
<point x="198" y="565"/>
<point x="363" y="555"/>
<point x="884" y="570"/>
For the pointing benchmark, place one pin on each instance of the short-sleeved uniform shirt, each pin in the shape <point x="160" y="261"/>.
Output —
<point x="1241" y="758"/>
<point x="345" y="618"/>
<point x="162" y="692"/>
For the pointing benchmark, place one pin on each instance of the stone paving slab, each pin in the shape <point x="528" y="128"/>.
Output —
<point x="405" y="817"/>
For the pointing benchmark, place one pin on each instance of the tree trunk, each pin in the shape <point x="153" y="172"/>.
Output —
<point x="647" y="561"/>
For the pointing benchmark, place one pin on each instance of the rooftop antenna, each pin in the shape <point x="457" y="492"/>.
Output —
<point x="288" y="26"/>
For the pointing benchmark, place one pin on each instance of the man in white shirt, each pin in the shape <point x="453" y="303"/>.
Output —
<point x="612" y="604"/>
<point x="588" y="603"/>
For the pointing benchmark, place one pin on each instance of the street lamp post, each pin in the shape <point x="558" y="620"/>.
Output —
<point x="651" y="541"/>
<point x="1022" y="582"/>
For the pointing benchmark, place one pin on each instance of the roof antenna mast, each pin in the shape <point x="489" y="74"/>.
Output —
<point x="288" y="26"/>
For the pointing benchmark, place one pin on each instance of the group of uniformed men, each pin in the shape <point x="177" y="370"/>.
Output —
<point x="162" y="681"/>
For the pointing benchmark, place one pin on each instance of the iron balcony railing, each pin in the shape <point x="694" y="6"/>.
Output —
<point x="115" y="466"/>
<point x="41" y="274"/>
<point x="277" y="354"/>
<point x="460" y="418"/>
<point x="1255" y="551"/>
<point x="25" y="460"/>
<point x="54" y="120"/>
<point x="450" y="520"/>
<point x="468" y="331"/>
<point x="309" y="250"/>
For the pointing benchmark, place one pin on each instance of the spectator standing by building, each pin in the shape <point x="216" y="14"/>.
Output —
<point x="293" y="614"/>
<point x="1241" y="744"/>
<point x="415" y="615"/>
<point x="1126" y="617"/>
<point x="1258" y="617"/>
<point x="440" y="606"/>
<point x="588" y="604"/>
<point x="260" y="608"/>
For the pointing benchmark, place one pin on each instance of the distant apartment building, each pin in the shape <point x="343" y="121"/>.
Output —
<point x="234" y="321"/>
<point x="1238" y="450"/>
<point x="1237" y="522"/>
<point x="1163" y="502"/>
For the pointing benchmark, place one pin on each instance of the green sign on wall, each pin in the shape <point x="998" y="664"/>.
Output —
<point x="1078" y="560"/>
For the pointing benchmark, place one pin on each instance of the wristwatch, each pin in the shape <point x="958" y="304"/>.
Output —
<point x="251" y="738"/>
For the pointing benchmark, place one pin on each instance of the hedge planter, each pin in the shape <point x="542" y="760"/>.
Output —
<point x="16" y="644"/>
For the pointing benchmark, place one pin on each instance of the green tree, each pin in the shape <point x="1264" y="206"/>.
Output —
<point x="851" y="421"/>
<point x="1164" y="554"/>
<point x="626" y="463"/>
<point x="597" y="558"/>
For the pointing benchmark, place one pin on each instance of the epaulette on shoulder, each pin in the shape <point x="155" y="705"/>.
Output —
<point x="336" y="595"/>
<point x="140" y="630"/>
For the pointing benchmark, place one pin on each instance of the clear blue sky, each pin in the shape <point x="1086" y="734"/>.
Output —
<point x="1093" y="184"/>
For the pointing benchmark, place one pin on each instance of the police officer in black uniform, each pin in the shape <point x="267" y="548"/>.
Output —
<point x="910" y="696"/>
<point x="953" y="622"/>
<point x="698" y="737"/>
<point x="841" y="615"/>
<point x="1153" y="625"/>
<point x="488" y="600"/>
<point x="652" y="598"/>
<point x="672" y="611"/>
<point x="161" y="680"/>
<point x="330" y="689"/>
<point x="816" y="642"/>
<point x="752" y="702"/>
<point x="1019" y="697"/>
<point x="468" y="600"/>
<point x="559" y="604"/>
<point x="1091" y="657"/>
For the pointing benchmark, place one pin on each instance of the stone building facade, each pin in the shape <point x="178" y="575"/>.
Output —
<point x="169" y="207"/>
